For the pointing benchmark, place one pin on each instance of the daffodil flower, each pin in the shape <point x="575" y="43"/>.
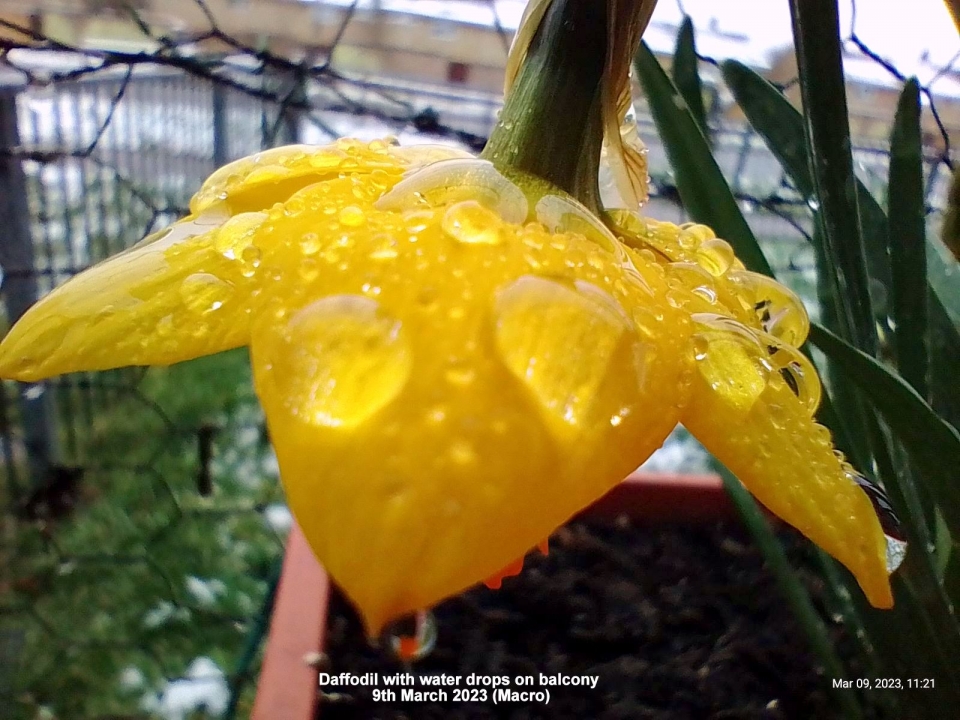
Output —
<point x="455" y="359"/>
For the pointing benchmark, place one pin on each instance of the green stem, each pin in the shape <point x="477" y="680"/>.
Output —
<point x="551" y="124"/>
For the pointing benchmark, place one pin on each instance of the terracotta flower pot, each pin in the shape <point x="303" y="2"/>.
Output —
<point x="287" y="689"/>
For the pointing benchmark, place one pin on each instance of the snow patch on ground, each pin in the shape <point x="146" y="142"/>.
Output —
<point x="205" y="592"/>
<point x="132" y="678"/>
<point x="203" y="688"/>
<point x="278" y="517"/>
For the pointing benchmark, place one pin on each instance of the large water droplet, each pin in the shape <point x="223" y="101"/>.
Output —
<point x="558" y="341"/>
<point x="471" y="223"/>
<point x="413" y="643"/>
<point x="237" y="233"/>
<point x="780" y="311"/>
<point x="795" y="370"/>
<point x="450" y="181"/>
<point x="729" y="357"/>
<point x="559" y="213"/>
<point x="715" y="256"/>
<point x="203" y="293"/>
<point x="339" y="360"/>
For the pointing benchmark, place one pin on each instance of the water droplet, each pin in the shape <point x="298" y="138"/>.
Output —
<point x="419" y="644"/>
<point x="561" y="214"/>
<point x="455" y="180"/>
<point x="471" y="223"/>
<point x="460" y="374"/>
<point x="436" y="415"/>
<point x="385" y="248"/>
<point x="780" y="311"/>
<point x="203" y="293"/>
<point x="337" y="361"/>
<point x="715" y="256"/>
<point x="310" y="243"/>
<point x="559" y="341"/>
<point x="250" y="260"/>
<point x="729" y="358"/>
<point x="308" y="269"/>
<point x="352" y="216"/>
<point x="462" y="452"/>
<point x="237" y="233"/>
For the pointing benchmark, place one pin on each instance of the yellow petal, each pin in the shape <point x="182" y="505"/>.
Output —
<point x="188" y="290"/>
<point x="752" y="420"/>
<point x="259" y="181"/>
<point x="438" y="411"/>
<point x="179" y="294"/>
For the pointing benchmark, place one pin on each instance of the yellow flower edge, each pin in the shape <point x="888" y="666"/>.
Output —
<point x="454" y="360"/>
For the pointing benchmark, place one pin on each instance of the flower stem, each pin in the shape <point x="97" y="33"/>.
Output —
<point x="551" y="125"/>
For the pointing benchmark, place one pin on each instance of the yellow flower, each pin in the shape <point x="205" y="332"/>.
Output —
<point x="454" y="359"/>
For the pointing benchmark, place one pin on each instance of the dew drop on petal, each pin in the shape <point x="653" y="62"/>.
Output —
<point x="780" y="311"/>
<point x="310" y="243"/>
<point x="338" y="361"/>
<point x="470" y="223"/>
<point x="203" y="293"/>
<point x="462" y="452"/>
<point x="236" y="234"/>
<point x="385" y="248"/>
<point x="795" y="370"/>
<point x="460" y="374"/>
<point x="449" y="181"/>
<point x="352" y="216"/>
<point x="729" y="357"/>
<point x="715" y="256"/>
<point x="249" y="260"/>
<point x="308" y="269"/>
<point x="558" y="340"/>
<point x="559" y="214"/>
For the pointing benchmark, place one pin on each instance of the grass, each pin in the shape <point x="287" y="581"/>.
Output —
<point x="106" y="594"/>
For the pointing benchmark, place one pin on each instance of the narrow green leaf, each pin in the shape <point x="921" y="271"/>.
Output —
<point x="793" y="590"/>
<point x="816" y="33"/>
<point x="943" y="272"/>
<point x="686" y="75"/>
<point x="908" y="243"/>
<point x="781" y="127"/>
<point x="703" y="189"/>
<point x="933" y="443"/>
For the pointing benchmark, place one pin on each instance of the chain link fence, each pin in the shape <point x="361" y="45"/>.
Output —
<point x="143" y="522"/>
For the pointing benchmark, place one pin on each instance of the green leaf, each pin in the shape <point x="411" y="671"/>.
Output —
<point x="686" y="75"/>
<point x="704" y="191"/>
<point x="793" y="590"/>
<point x="781" y="127"/>
<point x="827" y="128"/>
<point x="908" y="243"/>
<point x="933" y="443"/>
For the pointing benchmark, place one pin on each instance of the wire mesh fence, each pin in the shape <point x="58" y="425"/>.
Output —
<point x="144" y="520"/>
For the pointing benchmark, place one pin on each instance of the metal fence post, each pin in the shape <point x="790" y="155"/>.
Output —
<point x="221" y="143"/>
<point x="19" y="289"/>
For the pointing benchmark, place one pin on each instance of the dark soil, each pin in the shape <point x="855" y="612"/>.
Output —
<point x="678" y="623"/>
